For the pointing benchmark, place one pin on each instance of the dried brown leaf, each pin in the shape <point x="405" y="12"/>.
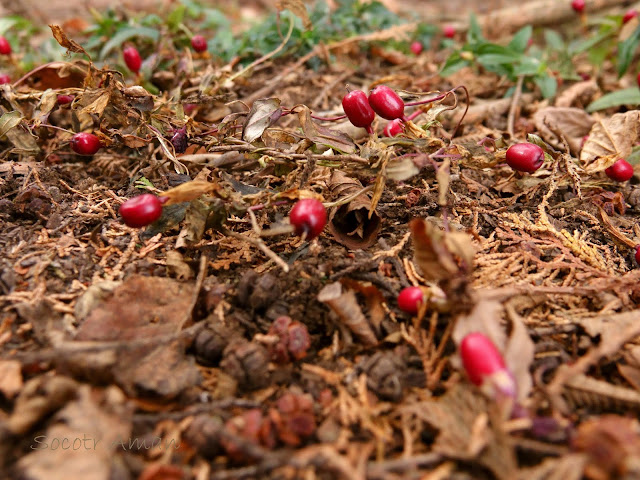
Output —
<point x="10" y="378"/>
<point x="441" y="255"/>
<point x="579" y="93"/>
<point x="443" y="177"/>
<point x="66" y="42"/>
<point x="617" y="234"/>
<point x="610" y="140"/>
<point x="320" y="135"/>
<point x="572" y="123"/>
<point x="189" y="191"/>
<point x="519" y="354"/>
<point x="137" y="97"/>
<point x="298" y="8"/>
<point x="345" y="305"/>
<point x="264" y="113"/>
<point x="98" y="105"/>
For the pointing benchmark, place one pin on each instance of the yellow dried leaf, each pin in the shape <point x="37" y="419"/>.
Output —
<point x="66" y="42"/>
<point x="190" y="191"/>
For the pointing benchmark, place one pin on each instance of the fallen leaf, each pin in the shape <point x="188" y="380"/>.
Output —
<point x="572" y="123"/>
<point x="610" y="140"/>
<point x="264" y="113"/>
<point x="321" y="135"/>
<point x="10" y="378"/>
<point x="66" y="42"/>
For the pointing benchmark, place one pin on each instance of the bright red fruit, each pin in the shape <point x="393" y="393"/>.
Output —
<point x="142" y="210"/>
<point x="4" y="78"/>
<point x="449" y="31"/>
<point x="485" y="365"/>
<point x="132" y="58"/>
<point x="85" y="143"/>
<point x="308" y="216"/>
<point x="199" y="43"/>
<point x="637" y="255"/>
<point x="357" y="108"/>
<point x="416" y="48"/>
<point x="629" y="14"/>
<point x="621" y="171"/>
<point x="525" y="157"/>
<point x="578" y="5"/>
<point x="393" y="128"/>
<point x="409" y="299"/>
<point x="638" y="79"/>
<point x="5" y="46"/>
<point x="386" y="103"/>
<point x="65" y="99"/>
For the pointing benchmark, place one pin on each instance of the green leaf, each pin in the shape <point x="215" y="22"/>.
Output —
<point x="176" y="17"/>
<point x="454" y="63"/>
<point x="553" y="40"/>
<point x="626" y="50"/>
<point x="126" y="34"/>
<point x="547" y="85"/>
<point x="475" y="31"/>
<point x="628" y="96"/>
<point x="528" y="66"/>
<point x="6" y="24"/>
<point x="520" y="40"/>
<point x="580" y="46"/>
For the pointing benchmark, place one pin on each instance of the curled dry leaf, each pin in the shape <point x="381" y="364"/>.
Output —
<point x="190" y="191"/>
<point x="441" y="255"/>
<point x="610" y="140"/>
<point x="298" y="8"/>
<point x="321" y="135"/>
<point x="264" y="113"/>
<point x="572" y="123"/>
<point x="345" y="305"/>
<point x="137" y="97"/>
<point x="66" y="42"/>
<point x="579" y="93"/>
<point x="354" y="225"/>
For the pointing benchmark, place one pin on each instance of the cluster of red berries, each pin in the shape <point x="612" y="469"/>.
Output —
<point x="361" y="110"/>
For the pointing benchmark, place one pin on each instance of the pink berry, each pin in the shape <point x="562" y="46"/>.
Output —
<point x="85" y="143"/>
<point x="199" y="43"/>
<point x="637" y="255"/>
<point x="4" y="78"/>
<point x="578" y="5"/>
<point x="449" y="31"/>
<point x="638" y="79"/>
<point x="65" y="99"/>
<point x="142" y="210"/>
<point x="308" y="216"/>
<point x="132" y="58"/>
<point x="393" y="128"/>
<point x="386" y="103"/>
<point x="416" y="48"/>
<point x="621" y="171"/>
<point x="357" y="108"/>
<point x="5" y="46"/>
<point x="409" y="299"/>
<point x="525" y="157"/>
<point x="629" y="14"/>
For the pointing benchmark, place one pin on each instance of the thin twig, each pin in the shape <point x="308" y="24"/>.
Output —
<point x="511" y="119"/>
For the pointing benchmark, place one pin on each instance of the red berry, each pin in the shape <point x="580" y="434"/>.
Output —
<point x="199" y="43"/>
<point x="65" y="99"/>
<point x="485" y="366"/>
<point x="386" y="103"/>
<point x="393" y="128"/>
<point x="142" y="210"/>
<point x="308" y="216"/>
<point x="637" y="255"/>
<point x="578" y="5"/>
<point x="449" y="31"/>
<point x="409" y="299"/>
<point x="629" y="14"/>
<point x="621" y="171"/>
<point x="638" y="79"/>
<point x="85" y="143"/>
<point x="416" y="48"/>
<point x="357" y="108"/>
<point x="132" y="59"/>
<point x="525" y="157"/>
<point x="5" y="46"/>
<point x="4" y="78"/>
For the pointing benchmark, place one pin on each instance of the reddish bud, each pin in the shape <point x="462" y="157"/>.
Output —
<point x="5" y="46"/>
<point x="449" y="31"/>
<point x="199" y="43"/>
<point x="525" y="157"/>
<point x="4" y="79"/>
<point x="578" y="5"/>
<point x="485" y="366"/>
<point x="393" y="128"/>
<point x="621" y="171"/>
<point x="629" y="14"/>
<point x="132" y="58"/>
<point x="416" y="47"/>
<point x="410" y="299"/>
<point x="65" y="99"/>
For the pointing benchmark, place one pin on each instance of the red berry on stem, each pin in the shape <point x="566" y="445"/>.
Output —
<point x="416" y="48"/>
<point x="308" y="216"/>
<point x="132" y="58"/>
<point x="484" y="363"/>
<point x="65" y="99"/>
<point x="386" y="103"/>
<point x="629" y="14"/>
<point x="5" y="46"/>
<point x="199" y="43"/>
<point x="393" y="128"/>
<point x="449" y="31"/>
<point x="4" y="78"/>
<point x="409" y="299"/>
<point x="578" y="5"/>
<point x="621" y="171"/>
<point x="85" y="143"/>
<point x="525" y="157"/>
<point x="637" y="255"/>
<point x="357" y="108"/>
<point x="638" y="79"/>
<point x="142" y="210"/>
